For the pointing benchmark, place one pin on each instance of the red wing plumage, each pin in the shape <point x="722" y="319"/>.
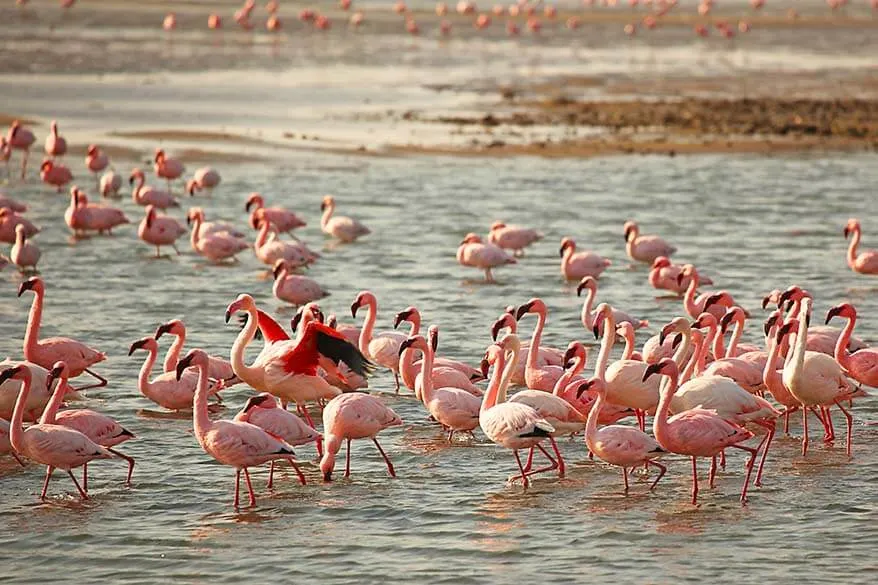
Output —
<point x="320" y="340"/>
<point x="270" y="329"/>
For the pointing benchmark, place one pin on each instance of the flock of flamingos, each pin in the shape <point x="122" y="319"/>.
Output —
<point x="704" y="394"/>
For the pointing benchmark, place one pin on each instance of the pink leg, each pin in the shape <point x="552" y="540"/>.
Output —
<point x="270" y="475"/>
<point x="711" y="477"/>
<point x="662" y="471"/>
<point x="450" y="435"/>
<point x="237" y="487"/>
<point x="390" y="469"/>
<point x="641" y="419"/>
<point x="85" y="476"/>
<point x="523" y="476"/>
<point x="850" y="431"/>
<point x="130" y="461"/>
<point x="310" y="422"/>
<point x="396" y="379"/>
<point x="250" y="488"/>
<point x="765" y="444"/>
<point x="750" y="462"/>
<point x="786" y="420"/>
<point x="82" y="493"/>
<point x="694" y="482"/>
<point x="101" y="381"/>
<point x="722" y="460"/>
<point x="298" y="471"/>
<point x="804" y="432"/>
<point x="562" y="469"/>
<point x="347" y="460"/>
<point x="17" y="458"/>
<point x="625" y="477"/>
<point x="530" y="459"/>
<point x="49" y="471"/>
<point x="827" y="417"/>
<point x="552" y="463"/>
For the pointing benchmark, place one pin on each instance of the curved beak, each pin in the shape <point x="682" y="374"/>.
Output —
<point x="579" y="288"/>
<point x="162" y="329"/>
<point x="583" y="387"/>
<point x="485" y="367"/>
<point x="847" y="231"/>
<point x="54" y="374"/>
<point x="522" y="310"/>
<point x="355" y="306"/>
<point x="182" y="365"/>
<point x="569" y="355"/>
<point x="406" y="344"/>
<point x="680" y="278"/>
<point x="400" y="317"/>
<point x="8" y="373"/>
<point x="137" y="345"/>
<point x="563" y="248"/>
<point x="651" y="369"/>
<point x="769" y="323"/>
<point x="726" y="320"/>
<point x="294" y="322"/>
<point x="323" y="206"/>
<point x="785" y="296"/>
<point x="677" y="339"/>
<point x="833" y="312"/>
<point x="712" y="300"/>
<point x="628" y="232"/>
<point x="765" y="300"/>
<point x="496" y="327"/>
<point x="248" y="205"/>
<point x="434" y="340"/>
<point x="255" y="401"/>
<point x="785" y="329"/>
<point x="131" y="180"/>
<point x="277" y="269"/>
<point x="26" y="285"/>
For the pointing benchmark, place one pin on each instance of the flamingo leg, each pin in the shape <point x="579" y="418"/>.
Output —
<point x="523" y="475"/>
<point x="552" y="463"/>
<point x="641" y="420"/>
<point x="307" y="415"/>
<point x="250" y="487"/>
<point x="850" y="431"/>
<point x="694" y="481"/>
<point x="625" y="477"/>
<point x="24" y="164"/>
<point x="750" y="463"/>
<point x="298" y="471"/>
<point x="390" y="469"/>
<point x="347" y="460"/>
<point x="722" y="460"/>
<point x="101" y="381"/>
<point x="82" y="493"/>
<point x="85" y="476"/>
<point x="130" y="461"/>
<point x="662" y="471"/>
<point x="49" y="471"/>
<point x="270" y="475"/>
<point x="711" y="477"/>
<point x="237" y="487"/>
<point x="562" y="469"/>
<point x="17" y="458"/>
<point x="804" y="432"/>
<point x="396" y="379"/>
<point x="764" y="444"/>
<point x="450" y="435"/>
<point x="530" y="459"/>
<point x="489" y="276"/>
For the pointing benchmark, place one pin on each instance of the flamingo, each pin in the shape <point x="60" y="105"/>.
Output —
<point x="644" y="248"/>
<point x="147" y="195"/>
<point x="263" y="411"/>
<point x="45" y="352"/>
<point x="204" y="179"/>
<point x="55" y="174"/>
<point x="218" y="368"/>
<point x="736" y="349"/>
<point x="862" y="366"/>
<point x="577" y="265"/>
<point x="413" y="316"/>
<point x="159" y="230"/>
<point x="381" y="348"/>
<point x="744" y="373"/>
<point x="474" y="252"/>
<point x="55" y="446"/>
<point x="697" y="432"/>
<point x="212" y="227"/>
<point x="98" y="427"/>
<point x="110" y="183"/>
<point x="664" y="275"/>
<point x="294" y="288"/>
<point x="56" y="145"/>
<point x="720" y="302"/>
<point x="538" y="378"/>
<point x="441" y="376"/>
<point x="216" y="246"/>
<point x="340" y="227"/>
<point x="167" y="168"/>
<point x="167" y="389"/>
<point x="24" y="254"/>
<point x="546" y="356"/>
<point x="237" y="444"/>
<point x="270" y="249"/>
<point x="821" y="338"/>
<point x="626" y="331"/>
<point x="280" y="218"/>
<point x="37" y="398"/>
<point x="864" y="262"/>
<point x="9" y="220"/>
<point x="20" y="138"/>
<point x="588" y="316"/>
<point x="96" y="160"/>
<point x="619" y="445"/>
<point x="85" y="216"/>
<point x="454" y="408"/>
<point x="513" y="237"/>
<point x="510" y="425"/>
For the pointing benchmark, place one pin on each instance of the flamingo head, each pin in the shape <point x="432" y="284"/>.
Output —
<point x="844" y="310"/>
<point x="678" y="325"/>
<point x="135" y="174"/>
<point x="592" y="384"/>
<point x="852" y="226"/>
<point x="532" y="306"/>
<point x="603" y="312"/>
<point x="409" y="314"/>
<point x="328" y="202"/>
<point x="574" y="350"/>
<point x="257" y="219"/>
<point x="471" y="238"/>
<point x="261" y="400"/>
<point x="716" y="299"/>
<point x="792" y="295"/>
<point x="92" y="150"/>
<point x="661" y="262"/>
<point x="688" y="270"/>
<point x="46" y="166"/>
<point x="332" y="321"/>
<point x="787" y="328"/>
<point x="190" y="187"/>
<point x="244" y="302"/>
<point x="279" y="267"/>
<point x="664" y="367"/>
<point x="363" y="298"/>
<point x="492" y="355"/>
<point x="150" y="215"/>
<point x="175" y="328"/>
<point x="565" y="244"/>
<point x="159" y="153"/>
<point x="19" y="372"/>
<point x="433" y="334"/>
<point x="771" y="298"/>
<point x="195" y="357"/>
<point x="705" y="321"/>
<point x="147" y="343"/>
<point x="34" y="283"/>
<point x="193" y="214"/>
<point x="497" y="225"/>
<point x="734" y="315"/>
<point x="254" y="200"/>
<point x="414" y="342"/>
<point x="589" y="283"/>
<point x="771" y="322"/>
<point x="631" y="230"/>
<point x="505" y="320"/>
<point x="59" y="371"/>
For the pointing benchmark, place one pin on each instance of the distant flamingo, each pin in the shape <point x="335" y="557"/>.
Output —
<point x="55" y="174"/>
<point x="340" y="227"/>
<point x="167" y="168"/>
<point x="294" y="288"/>
<point x="54" y="446"/>
<point x="263" y="411"/>
<point x="143" y="194"/>
<point x="864" y="262"/>
<point x="577" y="265"/>
<point x="268" y="248"/>
<point x="381" y="348"/>
<point x="37" y="398"/>
<point x="204" y="179"/>
<point x="170" y="22"/>
<point x="217" y="246"/>
<point x="45" y="352"/>
<point x="474" y="252"/>
<point x="695" y="306"/>
<point x="510" y="425"/>
<point x="110" y="184"/>
<point x="56" y="145"/>
<point x="94" y="216"/>
<point x="862" y="366"/>
<point x="159" y="230"/>
<point x="20" y="138"/>
<point x="96" y="160"/>
<point x="696" y="432"/>
<point x="167" y="390"/>
<point x="24" y="254"/>
<point x="354" y="416"/>
<point x="237" y="444"/>
<point x="513" y="237"/>
<point x="588" y="316"/>
<point x="664" y="275"/>
<point x="9" y="220"/>
<point x="280" y="218"/>
<point x="217" y="369"/>
<point x="644" y="248"/>
<point x="212" y="227"/>
<point x="100" y="428"/>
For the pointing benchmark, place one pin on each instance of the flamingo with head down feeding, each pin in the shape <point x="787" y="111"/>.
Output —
<point x="864" y="262"/>
<point x="577" y="265"/>
<point x="55" y="174"/>
<point x="204" y="179"/>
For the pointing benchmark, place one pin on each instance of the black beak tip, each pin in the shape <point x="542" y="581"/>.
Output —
<point x="597" y="331"/>
<point x="228" y="316"/>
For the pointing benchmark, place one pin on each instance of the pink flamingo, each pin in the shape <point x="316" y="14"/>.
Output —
<point x="546" y="356"/>
<point x="159" y="230"/>
<point x="454" y="408"/>
<point x="269" y="248"/>
<point x="263" y="411"/>
<point x="696" y="432"/>
<point x="24" y="254"/>
<point x="354" y="416"/>
<point x="862" y="366"/>
<point x="382" y="348"/>
<point x="821" y="338"/>
<point x="771" y="377"/>
<point x="94" y="216"/>
<point x="273" y="24"/>
<point x="588" y="316"/>
<point x="217" y="369"/>
<point x="143" y="194"/>
<point x="664" y="275"/>
<point x="9" y="220"/>
<point x="441" y="375"/>
<point x="626" y="331"/>
<point x="644" y="248"/>
<point x="695" y="306"/>
<point x="294" y="288"/>
<point x="11" y="204"/>
<point x="167" y="168"/>
<point x="864" y="262"/>
<point x="736" y="349"/>
<point x="37" y="398"/>
<point x="56" y="145"/>
<point x="166" y="389"/>
<point x="577" y="265"/>
<point x="510" y="425"/>
<point x="618" y="445"/>
<point x="170" y="22"/>
<point x="513" y="237"/>
<point x="340" y="227"/>
<point x="474" y="252"/>
<point x="280" y="218"/>
<point x="20" y="138"/>
<point x="212" y="227"/>
<point x="216" y="246"/>
<point x="214" y="22"/>
<point x="204" y="179"/>
<point x="110" y="184"/>
<point x="745" y="374"/>
<point x="536" y="377"/>
<point x="96" y="160"/>
<point x="5" y="154"/>
<point x="45" y="352"/>
<point x="55" y="174"/>
<point x="55" y="446"/>
<point x="99" y="428"/>
<point x="237" y="444"/>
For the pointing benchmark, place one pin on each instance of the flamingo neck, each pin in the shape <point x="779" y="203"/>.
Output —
<point x="693" y="361"/>
<point x="770" y="376"/>
<point x="689" y="298"/>
<point x="732" y="350"/>
<point x="327" y="214"/>
<point x="568" y="375"/>
<point x="591" y="423"/>
<point x="567" y="257"/>
<point x="795" y="364"/>
<point x="261" y="236"/>
<point x="628" y="352"/>
<point x="683" y="349"/>
<point x="718" y="343"/>
<point x="139" y="180"/>
<point x="244" y="338"/>
<point x="32" y="333"/>
<point x="173" y="355"/>
<point x="20" y="238"/>
<point x="143" y="383"/>
<point x="55" y="403"/>
<point x="852" y="248"/>
<point x="427" y="377"/>
<point x="660" y="420"/>
<point x="609" y="339"/>
<point x="508" y="371"/>
<point x="200" y="420"/>
<point x="194" y="236"/>
<point x="842" y="355"/>
<point x="16" y="428"/>
<point x="586" y="316"/>
<point x="489" y="400"/>
<point x="537" y="334"/>
<point x="368" y="327"/>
